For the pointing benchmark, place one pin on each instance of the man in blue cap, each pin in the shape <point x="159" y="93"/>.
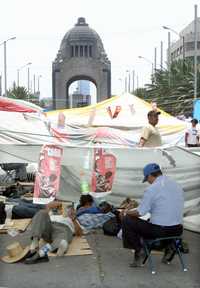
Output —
<point x="163" y="199"/>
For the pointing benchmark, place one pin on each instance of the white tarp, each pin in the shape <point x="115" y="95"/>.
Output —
<point x="100" y="123"/>
<point x="176" y="162"/>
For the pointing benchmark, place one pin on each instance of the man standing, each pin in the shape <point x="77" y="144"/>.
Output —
<point x="164" y="201"/>
<point x="150" y="136"/>
<point x="191" y="135"/>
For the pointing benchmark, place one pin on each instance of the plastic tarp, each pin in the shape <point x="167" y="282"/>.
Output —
<point x="117" y="120"/>
<point x="176" y="162"/>
<point x="11" y="105"/>
<point x="22" y="122"/>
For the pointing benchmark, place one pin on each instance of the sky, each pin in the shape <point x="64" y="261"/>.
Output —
<point x="128" y="29"/>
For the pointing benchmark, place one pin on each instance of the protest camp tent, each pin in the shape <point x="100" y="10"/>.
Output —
<point x="116" y="121"/>
<point x="25" y="128"/>
<point x="22" y="122"/>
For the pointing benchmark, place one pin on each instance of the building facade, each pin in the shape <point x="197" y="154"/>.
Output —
<point x="184" y="47"/>
<point x="81" y="57"/>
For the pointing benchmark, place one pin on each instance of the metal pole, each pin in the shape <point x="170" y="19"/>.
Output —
<point x="195" y="51"/>
<point x="125" y="84"/>
<point x="155" y="60"/>
<point x="129" y="82"/>
<point x="161" y="55"/>
<point x="38" y="84"/>
<point x="17" y="77"/>
<point x="28" y="84"/>
<point x="152" y="74"/>
<point x="5" y="70"/>
<point x="183" y="48"/>
<point x="169" y="57"/>
<point x="34" y="84"/>
<point x="133" y="81"/>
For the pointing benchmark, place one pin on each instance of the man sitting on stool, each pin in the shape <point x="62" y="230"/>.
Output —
<point x="164" y="201"/>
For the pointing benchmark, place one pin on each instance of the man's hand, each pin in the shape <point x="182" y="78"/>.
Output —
<point x="53" y="205"/>
<point x="130" y="213"/>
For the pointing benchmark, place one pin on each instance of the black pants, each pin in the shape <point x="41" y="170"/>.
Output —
<point x="135" y="228"/>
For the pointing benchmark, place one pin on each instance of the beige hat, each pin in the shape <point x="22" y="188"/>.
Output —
<point x="15" y="253"/>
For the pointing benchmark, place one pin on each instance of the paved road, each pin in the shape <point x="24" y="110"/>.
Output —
<point x="106" y="268"/>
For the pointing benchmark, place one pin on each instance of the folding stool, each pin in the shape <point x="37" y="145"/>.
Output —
<point x="149" y="244"/>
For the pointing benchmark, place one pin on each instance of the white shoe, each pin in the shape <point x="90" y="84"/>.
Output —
<point x="62" y="248"/>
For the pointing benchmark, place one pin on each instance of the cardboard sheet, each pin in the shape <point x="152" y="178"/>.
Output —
<point x="78" y="246"/>
<point x="15" y="224"/>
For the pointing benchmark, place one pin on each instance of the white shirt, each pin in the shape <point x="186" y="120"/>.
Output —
<point x="164" y="201"/>
<point x="63" y="220"/>
<point x="192" y="136"/>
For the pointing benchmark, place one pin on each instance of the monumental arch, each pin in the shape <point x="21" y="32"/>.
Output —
<point x="81" y="57"/>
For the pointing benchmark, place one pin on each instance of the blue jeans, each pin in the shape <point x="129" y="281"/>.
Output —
<point x="25" y="208"/>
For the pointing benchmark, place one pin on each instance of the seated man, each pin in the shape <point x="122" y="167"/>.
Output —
<point x="164" y="201"/>
<point x="56" y="230"/>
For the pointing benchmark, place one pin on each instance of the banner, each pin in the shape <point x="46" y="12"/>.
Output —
<point x="103" y="172"/>
<point x="47" y="180"/>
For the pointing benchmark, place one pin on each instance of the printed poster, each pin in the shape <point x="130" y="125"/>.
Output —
<point x="47" y="180"/>
<point x="103" y="172"/>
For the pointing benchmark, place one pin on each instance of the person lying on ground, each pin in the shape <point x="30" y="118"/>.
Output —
<point x="56" y="230"/>
<point x="87" y="205"/>
<point x="23" y="208"/>
<point x="92" y="216"/>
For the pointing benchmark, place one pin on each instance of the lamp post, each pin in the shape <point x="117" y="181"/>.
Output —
<point x="150" y="62"/>
<point x="18" y="70"/>
<point x="5" y="63"/>
<point x="180" y="36"/>
<point x="195" y="51"/>
<point x="39" y="84"/>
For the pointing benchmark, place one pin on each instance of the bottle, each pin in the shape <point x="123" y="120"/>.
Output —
<point x="84" y="184"/>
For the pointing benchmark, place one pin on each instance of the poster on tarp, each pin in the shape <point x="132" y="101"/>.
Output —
<point x="47" y="179"/>
<point x="103" y="172"/>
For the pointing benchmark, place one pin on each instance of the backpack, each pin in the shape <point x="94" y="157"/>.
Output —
<point x="111" y="227"/>
<point x="2" y="213"/>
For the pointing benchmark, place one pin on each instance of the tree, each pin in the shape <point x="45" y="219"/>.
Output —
<point x="18" y="93"/>
<point x="21" y="92"/>
<point x="174" y="91"/>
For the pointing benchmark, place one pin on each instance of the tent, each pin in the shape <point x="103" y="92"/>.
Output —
<point x="116" y="121"/>
<point x="26" y="131"/>
<point x="22" y="122"/>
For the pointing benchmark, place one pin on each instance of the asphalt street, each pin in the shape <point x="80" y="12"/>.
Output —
<point x="106" y="268"/>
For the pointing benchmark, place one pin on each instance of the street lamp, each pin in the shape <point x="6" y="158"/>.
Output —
<point x="178" y="34"/>
<point x="39" y="84"/>
<point x="21" y="69"/>
<point x="5" y="63"/>
<point x="150" y="62"/>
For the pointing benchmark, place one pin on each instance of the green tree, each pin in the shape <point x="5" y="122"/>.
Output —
<point x="174" y="91"/>
<point x="18" y="93"/>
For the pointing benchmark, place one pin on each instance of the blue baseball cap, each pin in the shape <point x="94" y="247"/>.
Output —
<point x="149" y="169"/>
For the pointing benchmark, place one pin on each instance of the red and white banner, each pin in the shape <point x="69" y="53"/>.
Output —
<point x="103" y="173"/>
<point x="47" y="180"/>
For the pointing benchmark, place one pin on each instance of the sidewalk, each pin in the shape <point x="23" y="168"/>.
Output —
<point x="106" y="268"/>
